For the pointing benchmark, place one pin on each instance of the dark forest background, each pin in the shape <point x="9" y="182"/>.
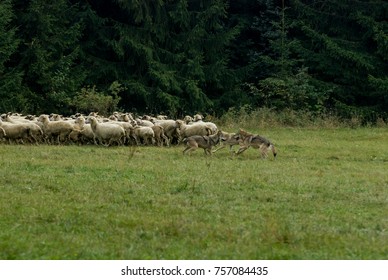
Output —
<point x="186" y="56"/>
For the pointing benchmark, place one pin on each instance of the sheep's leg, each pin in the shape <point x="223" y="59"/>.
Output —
<point x="95" y="141"/>
<point x="166" y="140"/>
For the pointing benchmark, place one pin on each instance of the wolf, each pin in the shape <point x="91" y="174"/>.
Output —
<point x="255" y="141"/>
<point x="205" y="142"/>
<point x="228" y="139"/>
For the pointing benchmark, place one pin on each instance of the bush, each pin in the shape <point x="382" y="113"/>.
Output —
<point x="89" y="99"/>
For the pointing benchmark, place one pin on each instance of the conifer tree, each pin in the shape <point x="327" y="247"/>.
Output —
<point x="344" y="44"/>
<point x="48" y="52"/>
<point x="170" y="55"/>
<point x="10" y="77"/>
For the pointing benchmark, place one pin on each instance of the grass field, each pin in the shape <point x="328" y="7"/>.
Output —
<point x="324" y="197"/>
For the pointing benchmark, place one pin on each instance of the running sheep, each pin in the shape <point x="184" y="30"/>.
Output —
<point x="107" y="132"/>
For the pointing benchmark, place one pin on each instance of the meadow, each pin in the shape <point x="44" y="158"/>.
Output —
<point x="324" y="197"/>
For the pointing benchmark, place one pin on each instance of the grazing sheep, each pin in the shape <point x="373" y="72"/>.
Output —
<point x="58" y="129"/>
<point x="143" y="134"/>
<point x="107" y="132"/>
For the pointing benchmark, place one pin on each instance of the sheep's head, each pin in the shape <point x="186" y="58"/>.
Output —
<point x="188" y="119"/>
<point x="43" y="118"/>
<point x="198" y="117"/>
<point x="179" y="123"/>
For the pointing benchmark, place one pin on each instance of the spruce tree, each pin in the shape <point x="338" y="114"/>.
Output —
<point x="10" y="77"/>
<point x="49" y="52"/>
<point x="170" y="55"/>
<point x="344" y="44"/>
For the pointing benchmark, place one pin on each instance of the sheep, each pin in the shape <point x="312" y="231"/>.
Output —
<point x="187" y="130"/>
<point x="60" y="129"/>
<point x="199" y="119"/>
<point x="16" y="132"/>
<point x="188" y="119"/>
<point x="78" y="126"/>
<point x="160" y="137"/>
<point x="161" y="117"/>
<point x="82" y="132"/>
<point x="56" y="117"/>
<point x="144" y="123"/>
<point x="144" y="133"/>
<point x="127" y="128"/>
<point x="171" y="130"/>
<point x="84" y="136"/>
<point x="35" y="131"/>
<point x="2" y="133"/>
<point x="107" y="132"/>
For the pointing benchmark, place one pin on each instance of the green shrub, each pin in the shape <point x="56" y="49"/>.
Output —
<point x="89" y="99"/>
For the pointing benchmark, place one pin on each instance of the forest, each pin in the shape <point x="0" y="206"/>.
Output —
<point x="186" y="56"/>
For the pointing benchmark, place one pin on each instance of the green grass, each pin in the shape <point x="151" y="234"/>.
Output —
<point x="325" y="197"/>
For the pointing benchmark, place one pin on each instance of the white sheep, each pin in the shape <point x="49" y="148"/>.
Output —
<point x="143" y="134"/>
<point x="35" y="131"/>
<point x="160" y="137"/>
<point x="2" y="133"/>
<point x="171" y="130"/>
<point x="16" y="132"/>
<point x="58" y="129"/>
<point x="199" y="119"/>
<point x="198" y="128"/>
<point x="107" y="132"/>
<point x="144" y="123"/>
<point x="127" y="126"/>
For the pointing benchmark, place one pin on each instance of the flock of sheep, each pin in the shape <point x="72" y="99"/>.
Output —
<point x="118" y="129"/>
<point x="123" y="129"/>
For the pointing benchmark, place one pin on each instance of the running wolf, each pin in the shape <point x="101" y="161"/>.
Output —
<point x="205" y="142"/>
<point x="255" y="141"/>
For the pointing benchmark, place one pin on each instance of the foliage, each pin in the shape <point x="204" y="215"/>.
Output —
<point x="89" y="99"/>
<point x="180" y="57"/>
<point x="10" y="78"/>
<point x="48" y="53"/>
<point x="334" y="51"/>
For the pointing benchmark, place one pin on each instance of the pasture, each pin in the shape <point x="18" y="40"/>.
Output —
<point x="324" y="197"/>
